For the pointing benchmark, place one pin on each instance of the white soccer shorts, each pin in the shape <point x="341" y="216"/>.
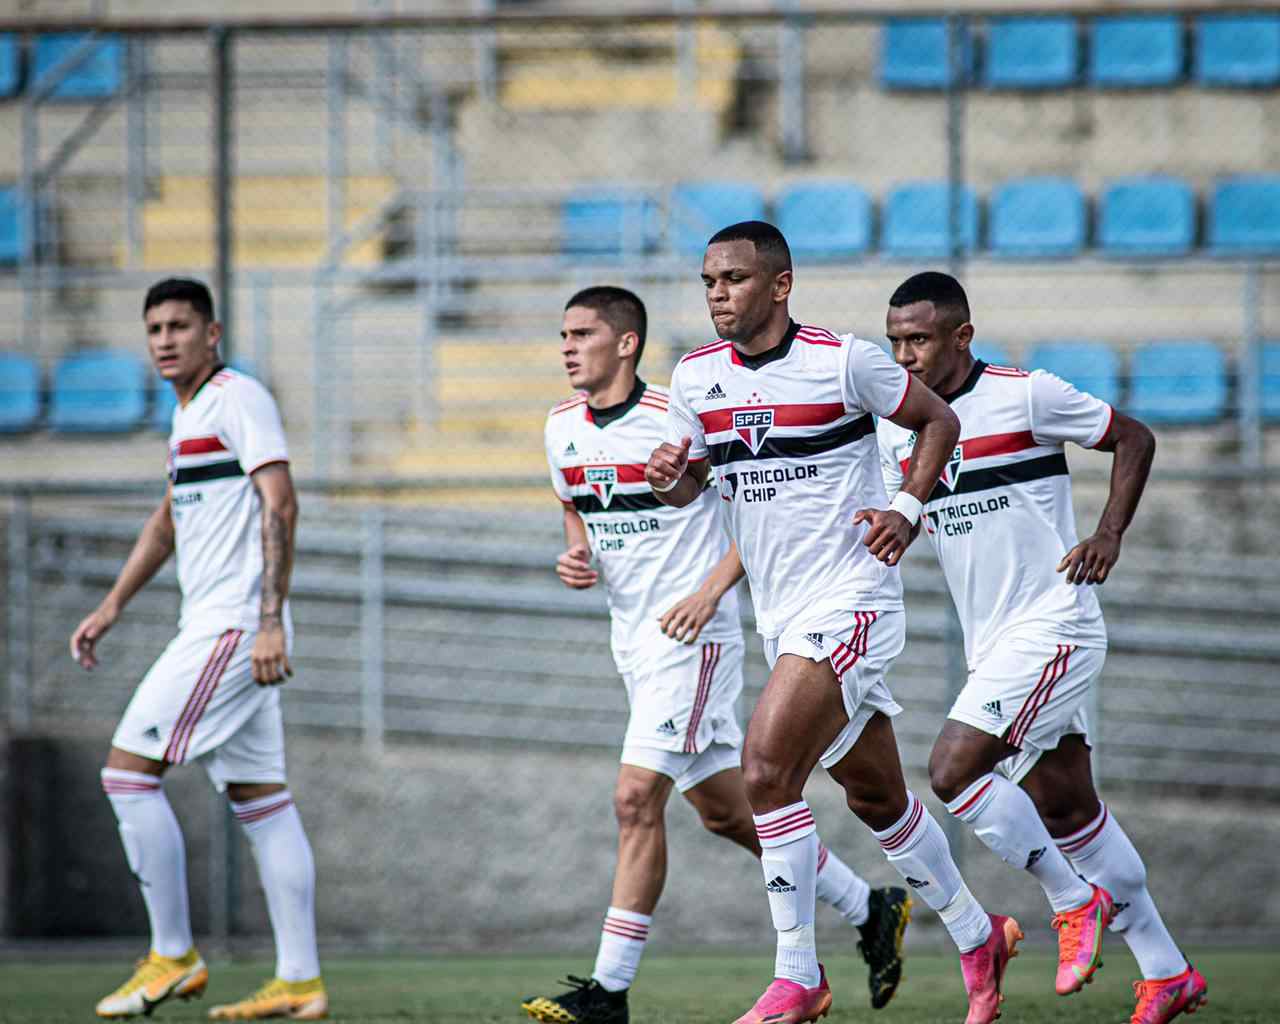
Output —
<point x="199" y="702"/>
<point x="1032" y="691"/>
<point x="684" y="707"/>
<point x="861" y="645"/>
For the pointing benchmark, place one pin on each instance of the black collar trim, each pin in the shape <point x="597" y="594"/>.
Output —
<point x="217" y="369"/>
<point x="970" y="382"/>
<point x="779" y="351"/>
<point x="603" y="417"/>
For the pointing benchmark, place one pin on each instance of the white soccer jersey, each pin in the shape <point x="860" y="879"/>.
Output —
<point x="1000" y="518"/>
<point x="229" y="429"/>
<point x="650" y="555"/>
<point x="793" y="444"/>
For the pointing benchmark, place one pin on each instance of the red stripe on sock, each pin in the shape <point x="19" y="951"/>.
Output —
<point x="1072" y="844"/>
<point x="257" y="814"/>
<point x="973" y="799"/>
<point x="903" y="834"/>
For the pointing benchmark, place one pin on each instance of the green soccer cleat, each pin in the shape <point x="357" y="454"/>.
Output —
<point x="888" y="914"/>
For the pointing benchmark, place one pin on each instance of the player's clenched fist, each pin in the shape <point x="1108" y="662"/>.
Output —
<point x="890" y="533"/>
<point x="574" y="568"/>
<point x="667" y="464"/>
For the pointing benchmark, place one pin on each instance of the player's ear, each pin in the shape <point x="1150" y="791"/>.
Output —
<point x="782" y="282"/>
<point x="962" y="336"/>
<point x="628" y="345"/>
<point x="213" y="333"/>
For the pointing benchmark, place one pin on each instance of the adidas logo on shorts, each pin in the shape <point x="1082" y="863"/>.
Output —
<point x="715" y="392"/>
<point x="779" y="884"/>
<point x="992" y="707"/>
<point x="815" y="639"/>
<point x="667" y="728"/>
<point x="153" y="734"/>
<point x="1034" y="857"/>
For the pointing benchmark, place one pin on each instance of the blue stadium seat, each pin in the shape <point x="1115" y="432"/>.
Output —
<point x="916" y="219"/>
<point x="913" y="54"/>
<point x="825" y="220"/>
<point x="1271" y="381"/>
<point x="991" y="352"/>
<point x="1037" y="218"/>
<point x="98" y="392"/>
<point x="19" y="393"/>
<point x="608" y="222"/>
<point x="700" y="209"/>
<point x="1153" y="216"/>
<point x="1089" y="365"/>
<point x="10" y="65"/>
<point x="1238" y="49"/>
<point x="10" y="226"/>
<point x="98" y="75"/>
<point x="1136" y="50"/>
<point x="1031" y="53"/>
<point x="1178" y="382"/>
<point x="1244" y="216"/>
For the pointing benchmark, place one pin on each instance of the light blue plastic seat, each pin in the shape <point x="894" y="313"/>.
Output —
<point x="10" y="226"/>
<point x="1244" y="216"/>
<point x="825" y="220"/>
<point x="1031" y="53"/>
<point x="10" y="65"/>
<point x="1132" y="51"/>
<point x="608" y="223"/>
<point x="1271" y="381"/>
<point x="19" y="393"/>
<point x="915" y="221"/>
<point x="1178" y="383"/>
<point x="1037" y="218"/>
<point x="1090" y="365"/>
<point x="98" y="392"/>
<point x="992" y="353"/>
<point x="1238" y="50"/>
<point x="99" y="75"/>
<point x="1153" y="216"/>
<point x="700" y="209"/>
<point x="913" y="54"/>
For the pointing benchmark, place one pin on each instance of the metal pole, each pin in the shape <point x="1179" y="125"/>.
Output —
<point x="222" y="58"/>
<point x="1249" y="388"/>
<point x="27" y="215"/>
<point x="262" y="326"/>
<point x="336" y="178"/>
<point x="135" y="133"/>
<point x="791" y="108"/>
<point x="20" y="617"/>
<point x="486" y="46"/>
<point x="371" y="629"/>
<point x="687" y="54"/>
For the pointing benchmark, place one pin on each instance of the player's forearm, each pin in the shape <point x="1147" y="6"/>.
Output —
<point x="279" y="520"/>
<point x="724" y="575"/>
<point x="151" y="550"/>
<point x="575" y="530"/>
<point x="934" y="446"/>
<point x="1135" y="450"/>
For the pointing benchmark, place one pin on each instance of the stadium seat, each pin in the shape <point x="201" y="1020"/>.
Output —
<point x="10" y="65"/>
<point x="98" y="392"/>
<point x="991" y="352"/>
<point x="1178" y="382"/>
<point x="1135" y="51"/>
<point x="1271" y="381"/>
<point x="913" y="54"/>
<point x="19" y="393"/>
<point x="1037" y="218"/>
<point x="1244" y="216"/>
<point x="700" y="209"/>
<point x="1089" y="365"/>
<point x="1238" y="49"/>
<point x="1153" y="216"/>
<point x="98" y="75"/>
<point x="10" y="226"/>
<point x="825" y="220"/>
<point x="608" y="223"/>
<point x="1031" y="53"/>
<point x="916" y="219"/>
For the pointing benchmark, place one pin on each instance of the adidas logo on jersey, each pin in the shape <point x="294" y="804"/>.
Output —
<point x="571" y="450"/>
<point x="815" y="639"/>
<point x="779" y="884"/>
<point x="667" y="728"/>
<point x="915" y="883"/>
<point x="992" y="707"/>
<point x="714" y="392"/>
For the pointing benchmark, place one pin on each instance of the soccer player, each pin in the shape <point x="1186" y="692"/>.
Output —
<point x="784" y="414"/>
<point x="229" y="513"/>
<point x="1012" y="760"/>
<point x="677" y="640"/>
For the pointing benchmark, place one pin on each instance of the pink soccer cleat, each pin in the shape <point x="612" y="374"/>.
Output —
<point x="983" y="969"/>
<point x="785" y="1002"/>
<point x="1162" y="999"/>
<point x="1080" y="941"/>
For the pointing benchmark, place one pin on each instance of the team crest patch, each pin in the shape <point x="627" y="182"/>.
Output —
<point x="602" y="480"/>
<point x="728" y="486"/>
<point x="951" y="471"/>
<point x="753" y="425"/>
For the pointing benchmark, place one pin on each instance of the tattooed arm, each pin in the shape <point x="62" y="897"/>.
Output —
<point x="279" y="517"/>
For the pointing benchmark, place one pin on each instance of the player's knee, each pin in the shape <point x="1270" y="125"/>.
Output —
<point x="770" y="783"/>
<point x="874" y="806"/>
<point x="948" y="778"/>
<point x="721" y="821"/>
<point x="636" y="807"/>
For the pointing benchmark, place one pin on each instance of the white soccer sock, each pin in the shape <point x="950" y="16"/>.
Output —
<point x="840" y="888"/>
<point x="917" y="847"/>
<point x="622" y="942"/>
<point x="1103" y="854"/>
<point x="789" y="857"/>
<point x="288" y="874"/>
<point x="1004" y="817"/>
<point x="157" y="857"/>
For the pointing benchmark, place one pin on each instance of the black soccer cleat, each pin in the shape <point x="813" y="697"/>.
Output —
<point x="888" y="913"/>
<point x="586" y="1003"/>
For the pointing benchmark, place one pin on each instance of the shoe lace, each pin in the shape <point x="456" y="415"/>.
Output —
<point x="577" y="983"/>
<point x="1147" y="993"/>
<point x="1068" y="927"/>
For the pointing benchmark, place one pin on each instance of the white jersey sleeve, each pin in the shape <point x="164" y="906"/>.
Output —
<point x="683" y="422"/>
<point x="890" y="469"/>
<point x="1059" y="412"/>
<point x="557" y="476"/>
<point x="872" y="382"/>
<point x="251" y="424"/>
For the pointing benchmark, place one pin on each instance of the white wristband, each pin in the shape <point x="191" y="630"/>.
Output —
<point x="908" y="505"/>
<point x="670" y="487"/>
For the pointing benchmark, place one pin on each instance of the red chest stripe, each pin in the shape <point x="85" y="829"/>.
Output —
<point x="200" y="446"/>
<point x="993" y="444"/>
<point x="783" y="415"/>
<point x="632" y="473"/>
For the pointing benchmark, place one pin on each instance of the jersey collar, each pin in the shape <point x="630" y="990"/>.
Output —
<point x="779" y="351"/>
<point x="217" y="369"/>
<point x="603" y="417"/>
<point x="970" y="382"/>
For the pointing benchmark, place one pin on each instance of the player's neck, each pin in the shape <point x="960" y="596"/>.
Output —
<point x="615" y="392"/>
<point x="955" y="379"/>
<point x="771" y="336"/>
<point x="187" y="389"/>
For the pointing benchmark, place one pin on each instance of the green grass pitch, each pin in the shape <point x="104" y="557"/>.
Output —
<point x="689" y="989"/>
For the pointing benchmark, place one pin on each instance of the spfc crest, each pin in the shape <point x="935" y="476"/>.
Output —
<point x="951" y="471"/>
<point x="602" y="480"/>
<point x="753" y="425"/>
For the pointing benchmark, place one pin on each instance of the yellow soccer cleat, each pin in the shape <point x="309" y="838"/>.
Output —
<point x="155" y="980"/>
<point x="300" y="1000"/>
